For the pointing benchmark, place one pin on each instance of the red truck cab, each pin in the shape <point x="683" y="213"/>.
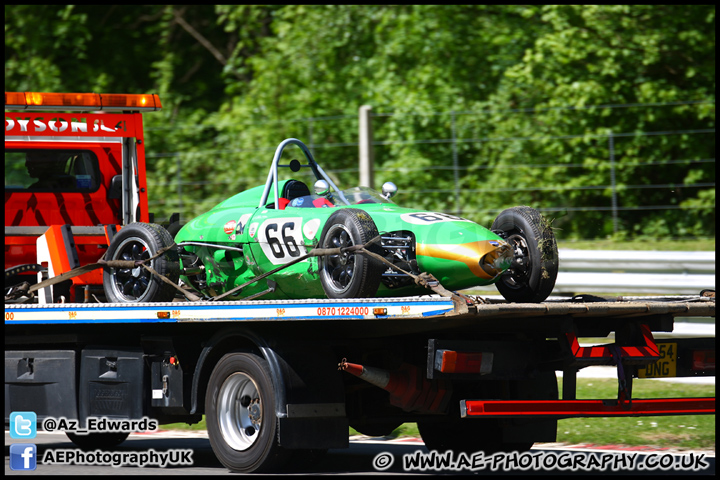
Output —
<point x="74" y="174"/>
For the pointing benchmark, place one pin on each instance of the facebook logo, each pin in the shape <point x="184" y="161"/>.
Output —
<point x="23" y="425"/>
<point x="23" y="456"/>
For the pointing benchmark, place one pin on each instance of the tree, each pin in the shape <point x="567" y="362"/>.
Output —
<point x="617" y="56"/>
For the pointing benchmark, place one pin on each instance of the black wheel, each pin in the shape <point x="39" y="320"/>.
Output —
<point x="531" y="277"/>
<point x="94" y="441"/>
<point x="140" y="241"/>
<point x="240" y="415"/>
<point x="349" y="275"/>
<point x="492" y="435"/>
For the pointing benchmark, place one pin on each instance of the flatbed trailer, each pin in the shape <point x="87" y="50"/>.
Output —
<point x="269" y="374"/>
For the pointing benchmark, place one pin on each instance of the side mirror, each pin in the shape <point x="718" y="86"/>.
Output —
<point x="321" y="187"/>
<point x="389" y="190"/>
<point x="115" y="190"/>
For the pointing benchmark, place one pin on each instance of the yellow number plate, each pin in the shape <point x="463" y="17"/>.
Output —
<point x="666" y="366"/>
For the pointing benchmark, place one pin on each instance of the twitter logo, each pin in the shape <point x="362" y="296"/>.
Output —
<point x="23" y="425"/>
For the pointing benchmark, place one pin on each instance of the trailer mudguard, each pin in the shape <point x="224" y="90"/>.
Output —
<point x="309" y="393"/>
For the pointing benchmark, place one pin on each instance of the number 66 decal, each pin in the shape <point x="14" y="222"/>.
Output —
<point x="425" y="218"/>
<point x="281" y="241"/>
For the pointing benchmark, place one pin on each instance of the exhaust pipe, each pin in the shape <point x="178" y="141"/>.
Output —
<point x="408" y="388"/>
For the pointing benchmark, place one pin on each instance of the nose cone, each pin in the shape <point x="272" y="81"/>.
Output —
<point x="486" y="259"/>
<point x="458" y="252"/>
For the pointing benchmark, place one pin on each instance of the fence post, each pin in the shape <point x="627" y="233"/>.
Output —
<point x="456" y="174"/>
<point x="179" y="187"/>
<point x="611" y="147"/>
<point x="365" y="140"/>
<point x="310" y="136"/>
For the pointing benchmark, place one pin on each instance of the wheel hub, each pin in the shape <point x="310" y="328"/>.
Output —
<point x="339" y="268"/>
<point x="515" y="275"/>
<point x="255" y="412"/>
<point x="239" y="411"/>
<point x="131" y="284"/>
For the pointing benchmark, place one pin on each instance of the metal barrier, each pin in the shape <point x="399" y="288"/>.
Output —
<point x="653" y="272"/>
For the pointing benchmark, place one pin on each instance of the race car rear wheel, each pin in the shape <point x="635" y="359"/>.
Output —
<point x="141" y="241"/>
<point x="531" y="277"/>
<point x="349" y="275"/>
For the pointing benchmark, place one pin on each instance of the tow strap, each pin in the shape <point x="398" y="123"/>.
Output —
<point x="624" y="397"/>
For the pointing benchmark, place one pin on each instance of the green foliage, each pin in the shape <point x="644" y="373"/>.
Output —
<point x="477" y="108"/>
<point x="617" y="55"/>
<point x="40" y="45"/>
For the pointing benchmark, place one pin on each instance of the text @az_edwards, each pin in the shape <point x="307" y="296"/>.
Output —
<point x="99" y="425"/>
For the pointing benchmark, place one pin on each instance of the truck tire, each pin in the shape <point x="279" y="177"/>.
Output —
<point x="140" y="241"/>
<point x="531" y="277"/>
<point x="472" y="435"/>
<point x="240" y="415"/>
<point x="349" y="275"/>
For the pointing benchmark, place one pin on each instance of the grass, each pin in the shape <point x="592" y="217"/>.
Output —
<point x="680" y="432"/>
<point x="184" y="426"/>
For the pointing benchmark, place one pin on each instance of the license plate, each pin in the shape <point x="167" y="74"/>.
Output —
<point x="666" y="366"/>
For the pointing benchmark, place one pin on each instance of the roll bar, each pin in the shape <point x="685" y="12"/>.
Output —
<point x="272" y="179"/>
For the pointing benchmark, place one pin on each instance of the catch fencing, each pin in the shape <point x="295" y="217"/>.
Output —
<point x="358" y="148"/>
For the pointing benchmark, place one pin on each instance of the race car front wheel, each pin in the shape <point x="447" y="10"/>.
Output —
<point x="141" y="241"/>
<point x="349" y="275"/>
<point x="531" y="277"/>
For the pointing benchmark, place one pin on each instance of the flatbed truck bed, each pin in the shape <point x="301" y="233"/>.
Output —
<point x="382" y="315"/>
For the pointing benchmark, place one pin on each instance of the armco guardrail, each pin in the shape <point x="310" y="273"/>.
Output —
<point x="614" y="271"/>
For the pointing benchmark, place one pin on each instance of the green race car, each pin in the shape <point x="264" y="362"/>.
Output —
<point x="260" y="243"/>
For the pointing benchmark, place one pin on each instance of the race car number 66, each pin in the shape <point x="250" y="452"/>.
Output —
<point x="281" y="240"/>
